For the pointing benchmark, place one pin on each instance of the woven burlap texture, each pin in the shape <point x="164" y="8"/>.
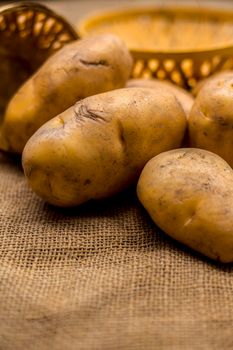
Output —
<point x="102" y="276"/>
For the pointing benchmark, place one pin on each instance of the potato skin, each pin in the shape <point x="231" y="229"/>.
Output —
<point x="184" y="97"/>
<point x="99" y="146"/>
<point x="10" y="68"/>
<point x="203" y="82"/>
<point x="210" y="123"/>
<point x="86" y="67"/>
<point x="189" y="194"/>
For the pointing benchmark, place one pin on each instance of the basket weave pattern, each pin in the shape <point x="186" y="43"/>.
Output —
<point x="185" y="72"/>
<point x="29" y="34"/>
<point x="29" y="20"/>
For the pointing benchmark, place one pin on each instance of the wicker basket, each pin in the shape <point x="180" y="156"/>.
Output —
<point x="29" y="34"/>
<point x="181" y="65"/>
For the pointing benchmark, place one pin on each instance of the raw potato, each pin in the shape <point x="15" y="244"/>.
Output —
<point x="9" y="69"/>
<point x="185" y="98"/>
<point x="210" y="122"/>
<point x="189" y="194"/>
<point x="80" y="69"/>
<point x="203" y="82"/>
<point x="99" y="146"/>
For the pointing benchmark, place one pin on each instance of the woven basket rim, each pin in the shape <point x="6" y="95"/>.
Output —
<point x="29" y="5"/>
<point x="96" y="17"/>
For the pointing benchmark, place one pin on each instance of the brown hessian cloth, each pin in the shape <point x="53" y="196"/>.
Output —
<point x="102" y="277"/>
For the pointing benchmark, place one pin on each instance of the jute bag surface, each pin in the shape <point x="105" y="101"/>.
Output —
<point x="102" y="277"/>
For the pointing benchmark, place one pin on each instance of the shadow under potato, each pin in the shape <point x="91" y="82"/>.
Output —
<point x="11" y="159"/>
<point x="125" y="202"/>
<point x="97" y="207"/>
<point x="121" y="219"/>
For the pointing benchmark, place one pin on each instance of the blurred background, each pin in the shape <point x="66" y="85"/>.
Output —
<point x="76" y="9"/>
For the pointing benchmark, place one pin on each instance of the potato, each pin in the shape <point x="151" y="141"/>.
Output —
<point x="80" y="69"/>
<point x="189" y="194"/>
<point x="99" y="146"/>
<point x="210" y="123"/>
<point x="9" y="68"/>
<point x="203" y="82"/>
<point x="184" y="97"/>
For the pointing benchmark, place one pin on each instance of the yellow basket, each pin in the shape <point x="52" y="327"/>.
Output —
<point x="180" y="44"/>
<point x="29" y="34"/>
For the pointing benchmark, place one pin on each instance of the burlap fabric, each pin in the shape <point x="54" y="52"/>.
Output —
<point x="102" y="277"/>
